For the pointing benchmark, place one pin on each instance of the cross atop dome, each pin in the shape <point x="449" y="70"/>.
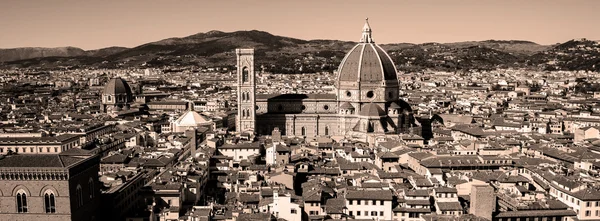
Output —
<point x="366" y="33"/>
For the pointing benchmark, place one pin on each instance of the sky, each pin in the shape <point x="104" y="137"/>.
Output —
<point x="93" y="24"/>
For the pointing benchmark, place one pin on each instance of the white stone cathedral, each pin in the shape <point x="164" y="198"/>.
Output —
<point x="365" y="105"/>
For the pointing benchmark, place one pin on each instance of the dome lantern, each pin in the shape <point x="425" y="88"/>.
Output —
<point x="366" y="33"/>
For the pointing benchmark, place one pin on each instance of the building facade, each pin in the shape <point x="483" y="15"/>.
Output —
<point x="49" y="187"/>
<point x="39" y="145"/>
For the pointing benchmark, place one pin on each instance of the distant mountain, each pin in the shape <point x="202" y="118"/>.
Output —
<point x="103" y="52"/>
<point x="275" y="53"/>
<point x="213" y="43"/>
<point x="27" y="53"/>
<point x="289" y="55"/>
<point x="15" y="54"/>
<point x="512" y="46"/>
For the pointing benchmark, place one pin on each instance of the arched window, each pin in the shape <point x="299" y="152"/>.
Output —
<point x="326" y="131"/>
<point x="49" y="202"/>
<point x="245" y="74"/>
<point x="79" y="195"/>
<point x="91" y="186"/>
<point x="303" y="131"/>
<point x="21" y="201"/>
<point x="243" y="96"/>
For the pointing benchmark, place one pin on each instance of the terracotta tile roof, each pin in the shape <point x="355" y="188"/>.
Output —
<point x="449" y="206"/>
<point x="536" y="213"/>
<point x="335" y="205"/>
<point x="417" y="193"/>
<point x="249" y="198"/>
<point x="445" y="190"/>
<point x="39" y="160"/>
<point x="369" y="194"/>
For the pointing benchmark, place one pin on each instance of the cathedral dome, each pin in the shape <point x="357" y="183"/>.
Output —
<point x="367" y="63"/>
<point x="365" y="71"/>
<point x="117" y="86"/>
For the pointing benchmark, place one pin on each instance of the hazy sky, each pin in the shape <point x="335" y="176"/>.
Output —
<point x="92" y="24"/>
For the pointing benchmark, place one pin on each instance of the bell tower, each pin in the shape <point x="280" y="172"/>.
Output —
<point x="246" y="91"/>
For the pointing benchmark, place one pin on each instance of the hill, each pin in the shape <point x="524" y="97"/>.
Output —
<point x="281" y="54"/>
<point x="14" y="54"/>
<point x="578" y="54"/>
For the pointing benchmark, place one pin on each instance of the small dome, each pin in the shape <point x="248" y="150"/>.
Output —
<point x="347" y="105"/>
<point x="393" y="105"/>
<point x="372" y="110"/>
<point x="192" y="119"/>
<point x="117" y="86"/>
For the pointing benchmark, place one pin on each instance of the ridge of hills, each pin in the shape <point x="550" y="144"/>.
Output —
<point x="280" y="54"/>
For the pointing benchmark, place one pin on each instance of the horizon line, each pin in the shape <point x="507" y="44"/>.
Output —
<point x="316" y="39"/>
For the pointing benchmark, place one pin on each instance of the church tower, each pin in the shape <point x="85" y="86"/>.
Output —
<point x="246" y="117"/>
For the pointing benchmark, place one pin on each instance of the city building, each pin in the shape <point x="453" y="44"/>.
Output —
<point x="49" y="187"/>
<point x="483" y="201"/>
<point x="39" y="145"/>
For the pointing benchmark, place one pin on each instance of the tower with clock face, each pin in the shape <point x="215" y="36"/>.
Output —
<point x="246" y="90"/>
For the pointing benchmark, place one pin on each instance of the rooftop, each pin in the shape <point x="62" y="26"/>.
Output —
<point x="40" y="160"/>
